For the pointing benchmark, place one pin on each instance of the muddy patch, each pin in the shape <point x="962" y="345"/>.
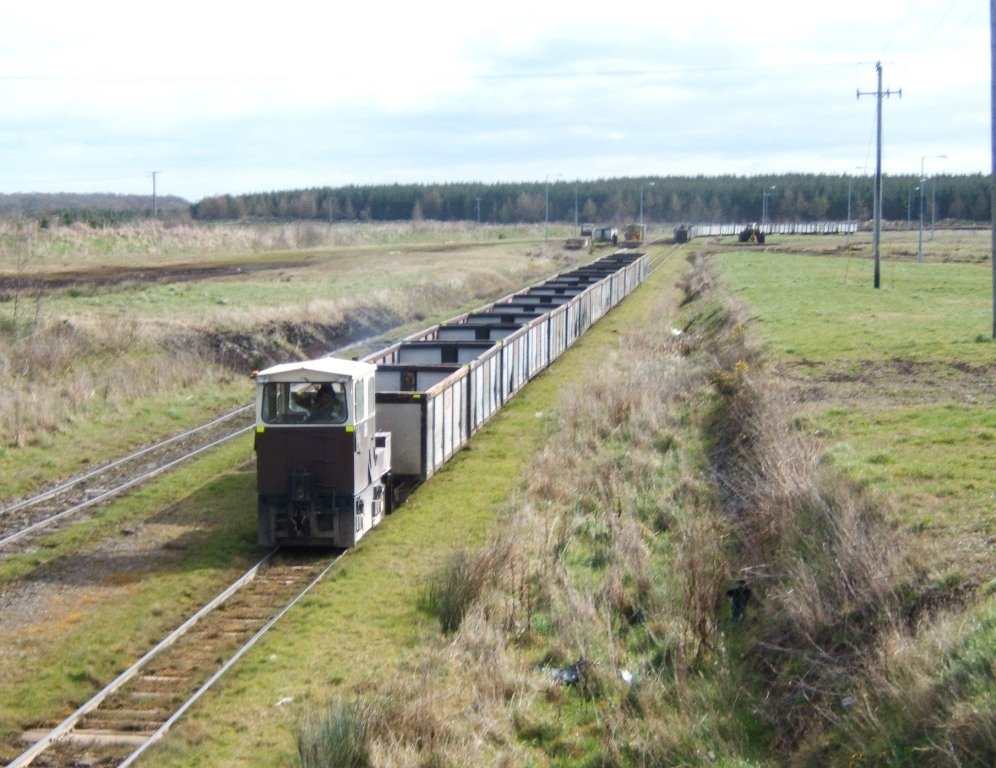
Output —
<point x="83" y="282"/>
<point x="896" y="381"/>
<point x="267" y="344"/>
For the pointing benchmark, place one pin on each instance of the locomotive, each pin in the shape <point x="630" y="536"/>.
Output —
<point x="339" y="443"/>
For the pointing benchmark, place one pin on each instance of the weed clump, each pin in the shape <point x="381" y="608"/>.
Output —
<point x="454" y="587"/>
<point x="337" y="737"/>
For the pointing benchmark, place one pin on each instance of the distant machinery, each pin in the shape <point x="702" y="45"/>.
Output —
<point x="634" y="236"/>
<point x="581" y="241"/>
<point x="606" y="236"/>
<point x="751" y="235"/>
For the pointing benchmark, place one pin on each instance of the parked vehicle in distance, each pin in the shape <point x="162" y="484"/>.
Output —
<point x="751" y="235"/>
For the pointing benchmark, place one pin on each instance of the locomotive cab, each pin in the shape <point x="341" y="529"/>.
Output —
<point x="322" y="469"/>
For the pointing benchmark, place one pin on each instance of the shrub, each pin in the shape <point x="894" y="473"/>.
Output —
<point x="454" y="587"/>
<point x="338" y="738"/>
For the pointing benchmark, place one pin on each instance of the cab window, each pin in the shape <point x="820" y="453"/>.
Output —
<point x="304" y="402"/>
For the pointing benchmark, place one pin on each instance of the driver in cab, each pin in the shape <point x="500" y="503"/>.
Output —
<point x="328" y="407"/>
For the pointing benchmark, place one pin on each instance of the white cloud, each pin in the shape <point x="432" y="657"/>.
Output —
<point x="227" y="99"/>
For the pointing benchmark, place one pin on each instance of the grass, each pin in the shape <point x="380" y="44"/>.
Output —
<point x="303" y="284"/>
<point x="130" y="363"/>
<point x="936" y="461"/>
<point x="113" y="607"/>
<point x="894" y="381"/>
<point x="897" y="386"/>
<point x="155" y="243"/>
<point x="368" y="611"/>
<point x="923" y="312"/>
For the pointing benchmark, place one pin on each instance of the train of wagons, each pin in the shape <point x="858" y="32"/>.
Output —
<point x="340" y="442"/>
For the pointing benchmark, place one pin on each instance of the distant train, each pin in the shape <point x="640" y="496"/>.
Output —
<point x="340" y="442"/>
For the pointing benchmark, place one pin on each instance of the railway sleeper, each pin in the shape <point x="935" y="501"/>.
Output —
<point x="127" y="722"/>
<point x="81" y="750"/>
<point x="138" y="706"/>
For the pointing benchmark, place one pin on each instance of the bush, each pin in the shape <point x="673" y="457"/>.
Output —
<point x="454" y="587"/>
<point x="338" y="738"/>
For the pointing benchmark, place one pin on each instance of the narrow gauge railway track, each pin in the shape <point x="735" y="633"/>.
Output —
<point x="134" y="711"/>
<point x="118" y="724"/>
<point x="22" y="518"/>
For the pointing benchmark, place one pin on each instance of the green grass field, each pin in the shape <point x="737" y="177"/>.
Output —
<point x="898" y="382"/>
<point x="894" y="386"/>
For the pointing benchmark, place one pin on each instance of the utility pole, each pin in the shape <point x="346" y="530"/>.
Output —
<point x="764" y="204"/>
<point x="478" y="209"/>
<point x="877" y="203"/>
<point x="847" y="233"/>
<point x="923" y="182"/>
<point x="155" y="206"/>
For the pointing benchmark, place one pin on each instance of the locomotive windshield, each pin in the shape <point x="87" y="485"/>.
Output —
<point x="304" y="402"/>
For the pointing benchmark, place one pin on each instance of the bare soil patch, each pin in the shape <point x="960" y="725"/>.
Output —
<point x="89" y="280"/>
<point x="896" y="381"/>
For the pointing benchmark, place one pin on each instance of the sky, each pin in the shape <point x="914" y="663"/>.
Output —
<point x="225" y="98"/>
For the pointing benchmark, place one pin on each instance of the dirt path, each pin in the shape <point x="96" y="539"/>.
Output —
<point x="102" y="277"/>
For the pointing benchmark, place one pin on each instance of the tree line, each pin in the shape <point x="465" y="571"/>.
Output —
<point x="96" y="209"/>
<point x="785" y="197"/>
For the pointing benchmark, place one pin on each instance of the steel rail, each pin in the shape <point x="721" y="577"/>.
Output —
<point x="123" y="487"/>
<point x="182" y="709"/>
<point x="70" y="484"/>
<point x="26" y="757"/>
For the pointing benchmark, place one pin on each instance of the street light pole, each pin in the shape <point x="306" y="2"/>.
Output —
<point x="641" y="200"/>
<point x="919" y="247"/>
<point x="155" y="204"/>
<point x="764" y="204"/>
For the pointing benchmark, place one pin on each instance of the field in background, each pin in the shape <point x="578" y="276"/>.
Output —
<point x="899" y="383"/>
<point x="124" y="335"/>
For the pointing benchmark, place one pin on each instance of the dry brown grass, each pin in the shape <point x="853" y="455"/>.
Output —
<point x="158" y="243"/>
<point x="66" y="363"/>
<point x="843" y="596"/>
<point x="674" y="470"/>
<point x="576" y="579"/>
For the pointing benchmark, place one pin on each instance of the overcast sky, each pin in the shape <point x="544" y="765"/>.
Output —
<point x="227" y="98"/>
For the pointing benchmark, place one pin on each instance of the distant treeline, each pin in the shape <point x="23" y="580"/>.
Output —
<point x="690" y="199"/>
<point x="96" y="209"/>
<point x="790" y="197"/>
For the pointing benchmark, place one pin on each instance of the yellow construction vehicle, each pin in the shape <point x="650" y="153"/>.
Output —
<point x="634" y="236"/>
<point x="751" y="235"/>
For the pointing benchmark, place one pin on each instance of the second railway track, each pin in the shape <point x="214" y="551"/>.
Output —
<point x="121" y="721"/>
<point x="20" y="519"/>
